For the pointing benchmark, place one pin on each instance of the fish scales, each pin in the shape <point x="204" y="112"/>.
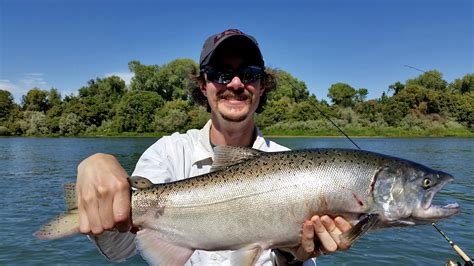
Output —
<point x="276" y="184"/>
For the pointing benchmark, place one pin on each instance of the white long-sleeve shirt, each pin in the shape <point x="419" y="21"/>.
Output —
<point x="172" y="158"/>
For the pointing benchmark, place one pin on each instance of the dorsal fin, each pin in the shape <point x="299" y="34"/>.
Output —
<point x="70" y="198"/>
<point x="139" y="182"/>
<point x="225" y="156"/>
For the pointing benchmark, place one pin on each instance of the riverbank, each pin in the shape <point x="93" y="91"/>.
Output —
<point x="386" y="132"/>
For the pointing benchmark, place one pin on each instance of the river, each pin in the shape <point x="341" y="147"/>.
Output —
<point x="33" y="171"/>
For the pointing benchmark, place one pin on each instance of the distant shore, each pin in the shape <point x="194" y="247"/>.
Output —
<point x="355" y="133"/>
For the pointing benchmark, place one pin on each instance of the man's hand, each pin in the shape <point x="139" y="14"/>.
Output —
<point x="320" y="236"/>
<point x="103" y="195"/>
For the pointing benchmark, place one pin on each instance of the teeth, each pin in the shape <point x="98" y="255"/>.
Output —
<point x="451" y="205"/>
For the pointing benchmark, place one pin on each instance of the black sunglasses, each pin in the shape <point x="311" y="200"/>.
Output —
<point x="246" y="74"/>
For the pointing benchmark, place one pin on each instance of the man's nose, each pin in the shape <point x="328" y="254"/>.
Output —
<point x="235" y="83"/>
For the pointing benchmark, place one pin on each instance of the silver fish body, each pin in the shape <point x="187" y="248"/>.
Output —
<point x="256" y="201"/>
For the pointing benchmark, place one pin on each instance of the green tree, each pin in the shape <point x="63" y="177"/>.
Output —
<point x="6" y="104"/>
<point x="36" y="100"/>
<point x="306" y="110"/>
<point x="144" y="78"/>
<point x="71" y="124"/>
<point x="342" y="94"/>
<point x="288" y="86"/>
<point x="432" y="80"/>
<point x="275" y="111"/>
<point x="198" y="116"/>
<point x="464" y="85"/>
<point x="135" y="112"/>
<point x="54" y="97"/>
<point x="173" y="79"/>
<point x="98" y="99"/>
<point x="170" y="81"/>
<point x="173" y="116"/>
<point x="396" y="87"/>
<point x="361" y="95"/>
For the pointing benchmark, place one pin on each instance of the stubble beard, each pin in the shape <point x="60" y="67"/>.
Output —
<point x="234" y="119"/>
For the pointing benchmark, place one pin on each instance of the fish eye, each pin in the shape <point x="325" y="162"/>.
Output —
<point x="427" y="182"/>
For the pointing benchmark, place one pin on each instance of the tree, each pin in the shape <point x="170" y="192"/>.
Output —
<point x="6" y="104"/>
<point x="306" y="110"/>
<point x="172" y="117"/>
<point x="36" y="100"/>
<point x="288" y="86"/>
<point x="361" y="94"/>
<point x="54" y="97"/>
<point x="144" y="76"/>
<point x="396" y="87"/>
<point x="71" y="124"/>
<point x="98" y="99"/>
<point x="342" y="94"/>
<point x="136" y="110"/>
<point x="173" y="79"/>
<point x="432" y="80"/>
<point x="464" y="85"/>
<point x="170" y="81"/>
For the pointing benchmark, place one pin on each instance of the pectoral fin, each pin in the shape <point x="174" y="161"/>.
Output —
<point x="359" y="229"/>
<point x="157" y="251"/>
<point x="245" y="256"/>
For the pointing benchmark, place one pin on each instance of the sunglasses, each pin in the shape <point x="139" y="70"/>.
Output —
<point x="246" y="74"/>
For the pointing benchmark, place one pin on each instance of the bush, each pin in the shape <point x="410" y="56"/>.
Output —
<point x="4" y="131"/>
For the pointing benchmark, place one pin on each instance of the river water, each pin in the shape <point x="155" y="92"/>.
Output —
<point x="33" y="171"/>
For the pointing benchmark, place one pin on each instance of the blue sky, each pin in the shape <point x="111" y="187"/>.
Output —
<point x="65" y="43"/>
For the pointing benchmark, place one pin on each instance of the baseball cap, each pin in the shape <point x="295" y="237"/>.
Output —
<point x="235" y="36"/>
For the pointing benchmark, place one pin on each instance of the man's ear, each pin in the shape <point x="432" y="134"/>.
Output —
<point x="262" y="89"/>
<point x="202" y="85"/>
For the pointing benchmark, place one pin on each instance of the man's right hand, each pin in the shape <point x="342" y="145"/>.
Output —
<point x="103" y="195"/>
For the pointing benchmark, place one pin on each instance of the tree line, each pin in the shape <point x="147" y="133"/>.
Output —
<point x="158" y="101"/>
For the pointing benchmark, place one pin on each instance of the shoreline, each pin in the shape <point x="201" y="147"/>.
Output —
<point x="269" y="135"/>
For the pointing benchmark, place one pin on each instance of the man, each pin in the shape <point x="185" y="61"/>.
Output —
<point x="233" y="85"/>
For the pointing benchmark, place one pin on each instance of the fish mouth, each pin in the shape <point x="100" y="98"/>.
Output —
<point x="428" y="212"/>
<point x="435" y="213"/>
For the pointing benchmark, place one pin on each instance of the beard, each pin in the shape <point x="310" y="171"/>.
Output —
<point x="241" y="95"/>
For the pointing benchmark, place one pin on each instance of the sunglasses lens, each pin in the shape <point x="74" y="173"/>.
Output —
<point x="218" y="76"/>
<point x="246" y="75"/>
<point x="250" y="74"/>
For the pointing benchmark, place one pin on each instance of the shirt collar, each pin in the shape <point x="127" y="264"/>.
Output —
<point x="203" y="150"/>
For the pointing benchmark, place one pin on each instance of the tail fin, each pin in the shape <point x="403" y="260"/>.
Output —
<point x="65" y="224"/>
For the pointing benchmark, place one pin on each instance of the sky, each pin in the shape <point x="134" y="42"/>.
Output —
<point x="367" y="43"/>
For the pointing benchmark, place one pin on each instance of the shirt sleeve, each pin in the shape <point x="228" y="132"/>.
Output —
<point x="156" y="164"/>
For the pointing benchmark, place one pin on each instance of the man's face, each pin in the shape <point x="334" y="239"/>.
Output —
<point x="234" y="101"/>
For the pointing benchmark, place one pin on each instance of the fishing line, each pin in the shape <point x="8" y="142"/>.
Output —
<point x="459" y="251"/>
<point x="456" y="248"/>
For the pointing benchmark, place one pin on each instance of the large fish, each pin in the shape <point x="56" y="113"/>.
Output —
<point x="253" y="201"/>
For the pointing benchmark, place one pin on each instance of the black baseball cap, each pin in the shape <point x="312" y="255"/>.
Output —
<point x="239" y="41"/>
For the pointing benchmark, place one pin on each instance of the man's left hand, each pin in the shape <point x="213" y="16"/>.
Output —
<point x="320" y="236"/>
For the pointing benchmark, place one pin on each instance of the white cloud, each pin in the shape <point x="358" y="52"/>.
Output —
<point x="27" y="82"/>
<point x="5" y="84"/>
<point x="126" y="76"/>
<point x="31" y="80"/>
<point x="14" y="89"/>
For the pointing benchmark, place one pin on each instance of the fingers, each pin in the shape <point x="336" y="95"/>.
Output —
<point x="325" y="236"/>
<point x="121" y="209"/>
<point x="307" y="237"/>
<point x="343" y="226"/>
<point x="305" y="250"/>
<point x="103" y="195"/>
